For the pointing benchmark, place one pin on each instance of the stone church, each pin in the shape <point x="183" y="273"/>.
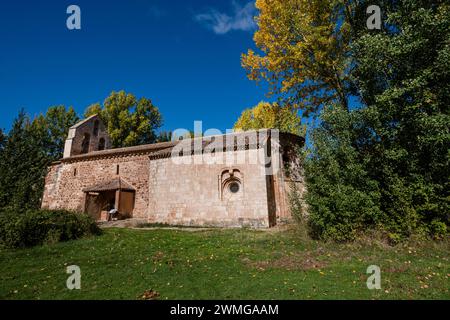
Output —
<point x="230" y="180"/>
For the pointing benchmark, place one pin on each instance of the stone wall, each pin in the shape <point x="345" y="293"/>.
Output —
<point x="66" y="180"/>
<point x="198" y="194"/>
<point x="290" y="179"/>
<point x="194" y="191"/>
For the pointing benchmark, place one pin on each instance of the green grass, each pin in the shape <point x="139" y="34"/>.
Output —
<point x="223" y="264"/>
<point x="169" y="226"/>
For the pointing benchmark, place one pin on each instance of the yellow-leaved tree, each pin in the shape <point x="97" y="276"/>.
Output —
<point x="267" y="115"/>
<point x="304" y="51"/>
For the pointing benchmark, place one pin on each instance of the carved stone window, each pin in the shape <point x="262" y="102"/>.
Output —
<point x="231" y="184"/>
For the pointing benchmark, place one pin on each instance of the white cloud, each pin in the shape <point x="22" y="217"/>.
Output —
<point x="221" y="23"/>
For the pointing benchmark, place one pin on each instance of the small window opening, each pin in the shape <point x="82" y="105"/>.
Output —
<point x="234" y="187"/>
<point x="85" y="143"/>
<point x="101" y="144"/>
<point x="96" y="123"/>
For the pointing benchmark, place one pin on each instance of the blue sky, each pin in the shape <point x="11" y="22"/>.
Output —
<point x="182" y="54"/>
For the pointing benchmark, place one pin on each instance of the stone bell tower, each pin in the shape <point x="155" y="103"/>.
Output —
<point x="87" y="136"/>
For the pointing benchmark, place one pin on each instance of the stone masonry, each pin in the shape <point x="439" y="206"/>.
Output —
<point x="167" y="186"/>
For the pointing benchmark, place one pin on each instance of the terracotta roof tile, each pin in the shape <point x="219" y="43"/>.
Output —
<point x="164" y="149"/>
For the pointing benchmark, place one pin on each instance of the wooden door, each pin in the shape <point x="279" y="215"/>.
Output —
<point x="126" y="203"/>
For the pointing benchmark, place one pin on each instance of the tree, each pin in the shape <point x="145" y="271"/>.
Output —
<point x="404" y="78"/>
<point x="305" y="51"/>
<point x="23" y="166"/>
<point x="343" y="198"/>
<point x="2" y="139"/>
<point x="386" y="165"/>
<point x="129" y="121"/>
<point x="164" y="136"/>
<point x="54" y="128"/>
<point x="270" y="116"/>
<point x="28" y="150"/>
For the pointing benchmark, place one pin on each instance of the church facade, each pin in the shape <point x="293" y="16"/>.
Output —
<point x="231" y="180"/>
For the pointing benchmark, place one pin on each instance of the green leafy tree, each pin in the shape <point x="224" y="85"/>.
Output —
<point x="23" y="166"/>
<point x="54" y="127"/>
<point x="270" y="116"/>
<point x="129" y="121"/>
<point x="2" y="139"/>
<point x="404" y="79"/>
<point x="386" y="164"/>
<point x="164" y="136"/>
<point x="343" y="198"/>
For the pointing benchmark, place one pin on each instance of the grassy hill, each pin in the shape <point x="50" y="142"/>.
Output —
<point x="224" y="264"/>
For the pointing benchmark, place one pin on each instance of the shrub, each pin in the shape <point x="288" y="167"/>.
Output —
<point x="296" y="204"/>
<point x="357" y="182"/>
<point x="342" y="199"/>
<point x="37" y="227"/>
<point x="438" y="230"/>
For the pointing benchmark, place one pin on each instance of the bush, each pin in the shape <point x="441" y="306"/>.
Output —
<point x="37" y="227"/>
<point x="438" y="230"/>
<point x="342" y="199"/>
<point x="356" y="183"/>
<point x="296" y="204"/>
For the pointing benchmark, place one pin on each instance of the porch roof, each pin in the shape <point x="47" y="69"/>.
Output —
<point x="111" y="185"/>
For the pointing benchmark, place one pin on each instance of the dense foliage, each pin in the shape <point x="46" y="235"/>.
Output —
<point x="23" y="163"/>
<point x="404" y="80"/>
<point x="381" y="162"/>
<point x="342" y="198"/>
<point x="36" y="227"/>
<point x="53" y="126"/>
<point x="304" y="48"/>
<point x="2" y="139"/>
<point x="129" y="121"/>
<point x="28" y="149"/>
